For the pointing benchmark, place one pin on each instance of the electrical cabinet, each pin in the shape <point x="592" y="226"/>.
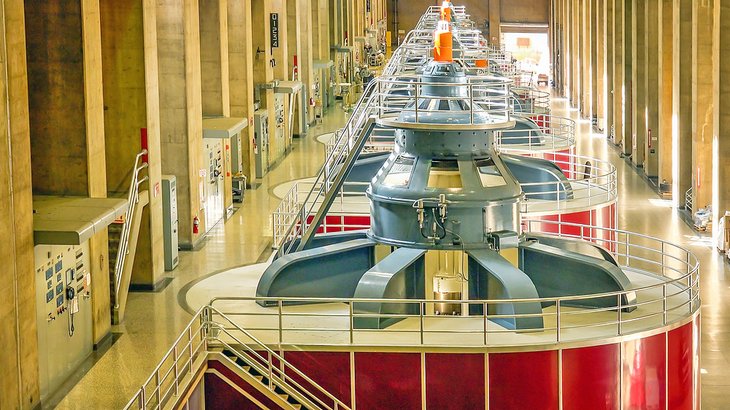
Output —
<point x="322" y="92"/>
<point x="261" y="142"/>
<point x="63" y="312"/>
<point x="236" y="154"/>
<point x="213" y="204"/>
<point x="281" y="143"/>
<point x="170" y="221"/>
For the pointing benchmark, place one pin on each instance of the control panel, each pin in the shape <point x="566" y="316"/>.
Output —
<point x="261" y="141"/>
<point x="213" y="189"/>
<point x="282" y="142"/>
<point x="63" y="311"/>
<point x="65" y="273"/>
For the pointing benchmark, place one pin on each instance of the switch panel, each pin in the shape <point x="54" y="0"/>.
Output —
<point x="60" y="349"/>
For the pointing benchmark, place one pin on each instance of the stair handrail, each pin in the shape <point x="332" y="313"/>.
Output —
<point x="196" y="339"/>
<point x="132" y="199"/>
<point x="269" y="362"/>
<point x="342" y="147"/>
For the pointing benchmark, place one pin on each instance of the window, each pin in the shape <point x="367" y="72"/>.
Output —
<point x="444" y="174"/>
<point x="488" y="173"/>
<point x="400" y="173"/>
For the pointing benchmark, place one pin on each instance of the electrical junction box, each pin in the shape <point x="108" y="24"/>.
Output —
<point x="170" y="221"/>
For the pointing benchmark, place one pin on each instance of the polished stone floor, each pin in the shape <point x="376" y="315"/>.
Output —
<point x="154" y="320"/>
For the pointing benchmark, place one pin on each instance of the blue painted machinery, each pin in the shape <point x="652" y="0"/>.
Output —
<point x="445" y="219"/>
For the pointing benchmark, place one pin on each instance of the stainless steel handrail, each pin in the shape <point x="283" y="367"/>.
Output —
<point x="592" y="185"/>
<point x="344" y="145"/>
<point x="191" y="350"/>
<point x="132" y="199"/>
<point x="675" y="264"/>
<point x="488" y="99"/>
<point x="553" y="133"/>
<point x="275" y="357"/>
<point x="674" y="297"/>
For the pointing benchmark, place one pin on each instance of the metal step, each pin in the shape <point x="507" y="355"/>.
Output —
<point x="262" y="379"/>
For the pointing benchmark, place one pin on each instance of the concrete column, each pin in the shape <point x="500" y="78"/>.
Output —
<point x="296" y="15"/>
<point x="651" y="85"/>
<point x="702" y="107"/>
<point x="306" y="70"/>
<point x="241" y="86"/>
<point x="337" y="24"/>
<point x="321" y="24"/>
<point x="349" y="18"/>
<point x="213" y="23"/>
<point x="682" y="100"/>
<point x="271" y="63"/>
<point x="609" y="87"/>
<point x="721" y="112"/>
<point x="67" y="120"/>
<point x="575" y="61"/>
<point x="599" y="63"/>
<point x="495" y="23"/>
<point x="586" y="58"/>
<point x="181" y="112"/>
<point x="264" y="61"/>
<point x="96" y="164"/>
<point x="58" y="140"/>
<point x="565" y="50"/>
<point x="558" y="47"/>
<point x="131" y="101"/>
<point x="665" y="83"/>
<point x="19" y="384"/>
<point x="281" y="54"/>
<point x="628" y="136"/>
<point x="619" y="89"/>
<point x="561" y="50"/>
<point x="215" y="92"/>
<point x="638" y="79"/>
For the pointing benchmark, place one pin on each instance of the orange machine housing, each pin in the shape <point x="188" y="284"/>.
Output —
<point x="443" y="43"/>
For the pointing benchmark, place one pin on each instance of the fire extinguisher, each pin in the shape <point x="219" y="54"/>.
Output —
<point x="196" y="225"/>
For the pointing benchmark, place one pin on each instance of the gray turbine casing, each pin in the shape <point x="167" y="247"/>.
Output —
<point x="473" y="210"/>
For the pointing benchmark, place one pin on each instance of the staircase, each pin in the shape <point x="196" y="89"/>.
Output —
<point x="115" y="235"/>
<point x="123" y="237"/>
<point x="214" y="344"/>
<point x="261" y="381"/>
<point x="348" y="143"/>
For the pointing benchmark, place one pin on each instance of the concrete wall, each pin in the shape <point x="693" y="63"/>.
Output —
<point x="131" y="103"/>
<point x="19" y="384"/>
<point x="507" y="11"/>
<point x="55" y="88"/>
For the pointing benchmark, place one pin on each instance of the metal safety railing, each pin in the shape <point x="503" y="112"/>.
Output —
<point x="417" y="48"/>
<point x="132" y="200"/>
<point x="484" y="101"/>
<point x="549" y="133"/>
<point x="665" y="291"/>
<point x="208" y="332"/>
<point x="348" y="142"/>
<point x="590" y="182"/>
<point x="530" y="100"/>
<point x="350" y="200"/>
<point x="430" y="19"/>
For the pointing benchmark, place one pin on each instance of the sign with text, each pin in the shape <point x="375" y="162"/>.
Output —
<point x="274" y="27"/>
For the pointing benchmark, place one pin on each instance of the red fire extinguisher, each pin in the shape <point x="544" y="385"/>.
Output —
<point x="196" y="225"/>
